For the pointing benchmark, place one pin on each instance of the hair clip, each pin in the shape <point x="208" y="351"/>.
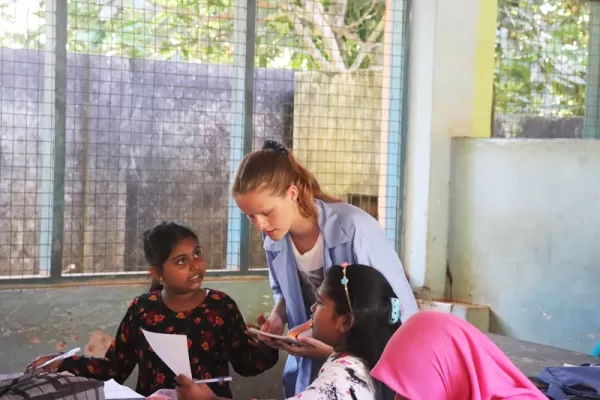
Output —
<point x="344" y="282"/>
<point x="274" y="145"/>
<point x="395" y="312"/>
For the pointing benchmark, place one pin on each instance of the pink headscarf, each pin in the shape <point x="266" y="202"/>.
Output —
<point x="440" y="356"/>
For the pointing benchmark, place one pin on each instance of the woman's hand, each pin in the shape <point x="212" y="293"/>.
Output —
<point x="314" y="349"/>
<point x="274" y="325"/>
<point x="42" y="359"/>
<point x="188" y="390"/>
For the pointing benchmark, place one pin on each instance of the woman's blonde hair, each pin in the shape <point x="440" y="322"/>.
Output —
<point x="274" y="168"/>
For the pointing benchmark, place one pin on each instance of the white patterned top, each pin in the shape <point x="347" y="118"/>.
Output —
<point x="342" y="377"/>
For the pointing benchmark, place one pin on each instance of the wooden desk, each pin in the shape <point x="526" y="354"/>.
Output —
<point x="531" y="358"/>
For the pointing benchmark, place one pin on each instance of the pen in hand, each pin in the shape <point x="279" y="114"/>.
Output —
<point x="222" y="379"/>
<point x="215" y="380"/>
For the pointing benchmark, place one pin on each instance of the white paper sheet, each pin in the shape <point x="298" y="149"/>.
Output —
<point x="5" y="377"/>
<point x="113" y="391"/>
<point x="163" y="394"/>
<point x="172" y="349"/>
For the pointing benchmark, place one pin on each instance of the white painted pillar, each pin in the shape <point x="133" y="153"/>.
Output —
<point x="450" y="94"/>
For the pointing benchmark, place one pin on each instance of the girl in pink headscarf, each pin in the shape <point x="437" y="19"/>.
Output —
<point x="436" y="356"/>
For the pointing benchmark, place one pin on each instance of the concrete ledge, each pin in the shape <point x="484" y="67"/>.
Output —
<point x="475" y="314"/>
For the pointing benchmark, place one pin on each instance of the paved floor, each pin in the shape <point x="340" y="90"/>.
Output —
<point x="532" y="357"/>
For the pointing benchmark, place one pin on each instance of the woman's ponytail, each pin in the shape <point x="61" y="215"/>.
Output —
<point x="309" y="189"/>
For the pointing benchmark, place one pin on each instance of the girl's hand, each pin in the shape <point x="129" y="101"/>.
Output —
<point x="315" y="349"/>
<point x="42" y="359"/>
<point x="188" y="390"/>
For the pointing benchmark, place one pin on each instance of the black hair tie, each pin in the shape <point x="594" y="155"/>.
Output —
<point x="274" y="145"/>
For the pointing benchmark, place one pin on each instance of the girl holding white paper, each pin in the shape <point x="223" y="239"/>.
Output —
<point x="305" y="232"/>
<point x="211" y="320"/>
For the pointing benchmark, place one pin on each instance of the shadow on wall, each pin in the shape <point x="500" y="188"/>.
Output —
<point x="145" y="140"/>
<point x="509" y="126"/>
<point x="497" y="325"/>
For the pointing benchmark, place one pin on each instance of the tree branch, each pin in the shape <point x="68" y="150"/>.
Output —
<point x="307" y="40"/>
<point x="224" y="16"/>
<point x="345" y="32"/>
<point x="316" y="14"/>
<point x="364" y="17"/>
<point x="272" y="17"/>
<point x="337" y="12"/>
<point x="291" y="13"/>
<point x="370" y="44"/>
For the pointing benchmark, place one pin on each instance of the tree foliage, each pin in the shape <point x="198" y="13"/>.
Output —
<point x="541" y="57"/>
<point x="332" y="35"/>
<point x="541" y="47"/>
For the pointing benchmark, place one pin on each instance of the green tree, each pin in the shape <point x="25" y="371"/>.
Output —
<point x="541" y="57"/>
<point x="332" y="35"/>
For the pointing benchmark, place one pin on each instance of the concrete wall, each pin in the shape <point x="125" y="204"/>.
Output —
<point x="337" y="129"/>
<point x="146" y="141"/>
<point x="523" y="237"/>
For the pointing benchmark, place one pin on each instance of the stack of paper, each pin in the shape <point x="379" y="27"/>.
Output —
<point x="113" y="391"/>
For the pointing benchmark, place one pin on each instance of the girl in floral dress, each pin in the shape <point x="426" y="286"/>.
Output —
<point x="177" y="305"/>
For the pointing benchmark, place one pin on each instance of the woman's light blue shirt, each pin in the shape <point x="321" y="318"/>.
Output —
<point x="350" y="235"/>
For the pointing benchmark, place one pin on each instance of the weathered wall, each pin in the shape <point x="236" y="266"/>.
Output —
<point x="146" y="141"/>
<point x="337" y="128"/>
<point x="523" y="240"/>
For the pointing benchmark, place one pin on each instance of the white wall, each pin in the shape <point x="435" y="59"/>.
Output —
<point x="524" y="236"/>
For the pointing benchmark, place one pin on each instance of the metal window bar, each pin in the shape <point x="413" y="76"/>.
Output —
<point x="117" y="115"/>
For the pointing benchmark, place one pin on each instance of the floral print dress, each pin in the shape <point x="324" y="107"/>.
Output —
<point x="342" y="377"/>
<point x="215" y="331"/>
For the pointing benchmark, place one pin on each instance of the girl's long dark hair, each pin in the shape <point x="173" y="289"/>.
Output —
<point x="370" y="295"/>
<point x="160" y="241"/>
